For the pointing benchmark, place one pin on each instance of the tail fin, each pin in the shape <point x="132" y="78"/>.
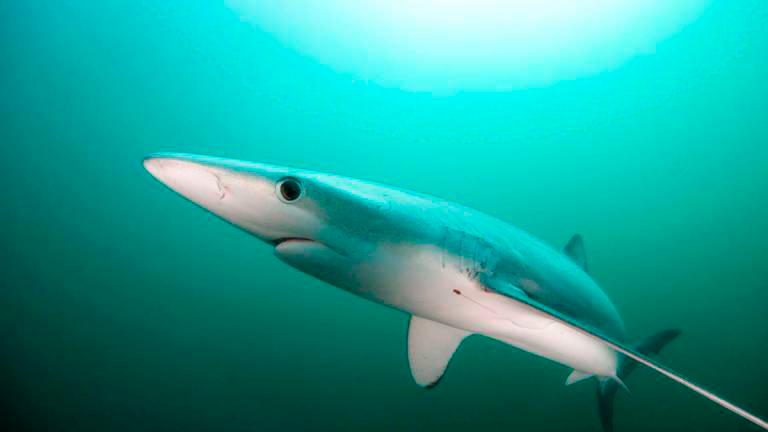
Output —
<point x="606" y="388"/>
<point x="505" y="288"/>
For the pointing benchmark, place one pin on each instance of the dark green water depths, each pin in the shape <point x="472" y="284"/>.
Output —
<point x="124" y="307"/>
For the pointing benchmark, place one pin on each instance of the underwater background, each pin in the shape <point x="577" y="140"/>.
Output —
<point x="125" y="307"/>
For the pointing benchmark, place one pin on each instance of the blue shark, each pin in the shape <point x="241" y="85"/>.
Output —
<point x="455" y="271"/>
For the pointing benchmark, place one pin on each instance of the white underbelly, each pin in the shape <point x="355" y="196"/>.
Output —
<point x="419" y="282"/>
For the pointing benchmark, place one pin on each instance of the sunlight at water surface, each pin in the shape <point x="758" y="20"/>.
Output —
<point x="445" y="46"/>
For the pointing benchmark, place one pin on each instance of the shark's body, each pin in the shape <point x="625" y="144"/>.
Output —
<point x="456" y="271"/>
<point x="427" y="263"/>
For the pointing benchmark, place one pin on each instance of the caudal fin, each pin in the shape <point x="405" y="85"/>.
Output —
<point x="606" y="388"/>
<point x="505" y="288"/>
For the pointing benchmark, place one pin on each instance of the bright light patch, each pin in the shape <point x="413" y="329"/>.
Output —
<point x="454" y="45"/>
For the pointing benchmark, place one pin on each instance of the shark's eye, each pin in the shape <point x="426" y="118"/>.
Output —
<point x="289" y="189"/>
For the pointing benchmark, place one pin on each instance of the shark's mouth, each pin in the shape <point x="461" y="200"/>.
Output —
<point x="283" y="244"/>
<point x="283" y="240"/>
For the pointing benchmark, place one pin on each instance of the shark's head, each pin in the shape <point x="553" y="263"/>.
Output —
<point x="279" y="205"/>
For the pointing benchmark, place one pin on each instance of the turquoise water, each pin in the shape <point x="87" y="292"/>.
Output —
<point x="124" y="307"/>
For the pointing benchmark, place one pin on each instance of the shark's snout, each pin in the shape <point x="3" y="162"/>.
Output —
<point x="214" y="184"/>
<point x="252" y="196"/>
<point x="196" y="181"/>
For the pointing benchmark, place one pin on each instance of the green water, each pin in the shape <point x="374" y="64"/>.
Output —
<point x="124" y="307"/>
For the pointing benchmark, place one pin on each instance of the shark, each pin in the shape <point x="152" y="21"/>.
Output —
<point x="455" y="271"/>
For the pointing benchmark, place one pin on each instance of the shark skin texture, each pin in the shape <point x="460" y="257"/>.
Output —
<point x="456" y="271"/>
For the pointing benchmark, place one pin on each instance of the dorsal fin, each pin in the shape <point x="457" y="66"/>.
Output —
<point x="575" y="251"/>
<point x="430" y="347"/>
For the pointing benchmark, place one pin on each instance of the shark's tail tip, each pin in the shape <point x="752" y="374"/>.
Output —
<point x="606" y="389"/>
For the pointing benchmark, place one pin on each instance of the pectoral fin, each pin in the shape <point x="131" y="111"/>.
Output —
<point x="430" y="347"/>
